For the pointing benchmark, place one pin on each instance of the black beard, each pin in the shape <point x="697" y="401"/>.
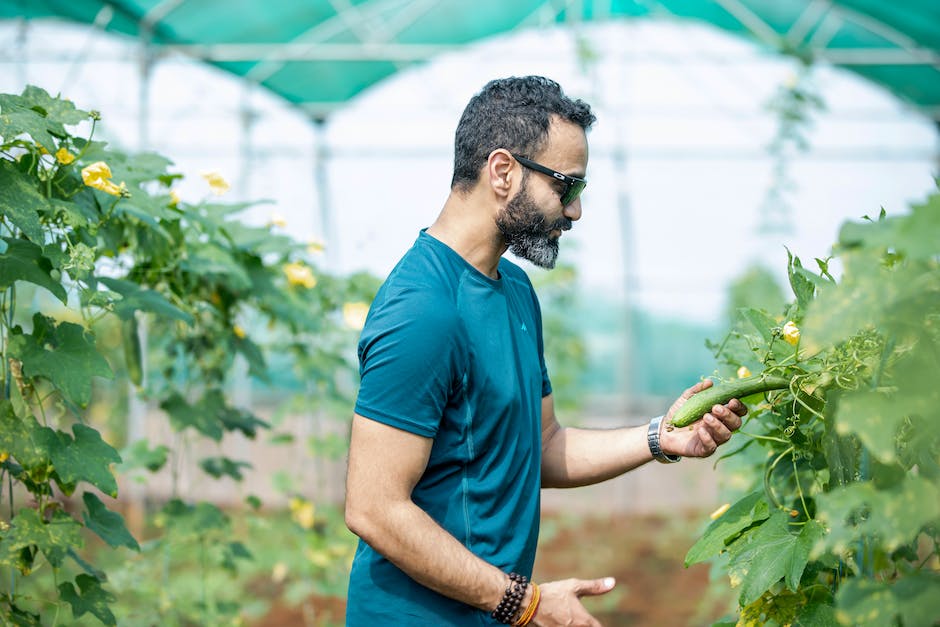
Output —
<point x="525" y="232"/>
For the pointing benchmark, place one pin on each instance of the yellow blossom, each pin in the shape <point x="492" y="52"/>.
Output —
<point x="791" y="333"/>
<point x="300" y="274"/>
<point x="42" y="149"/>
<point x="315" y="246"/>
<point x="217" y="184"/>
<point x="354" y="315"/>
<point x="279" y="572"/>
<point x="63" y="156"/>
<point x="718" y="512"/>
<point x="239" y="332"/>
<point x="278" y="221"/>
<point x="743" y="372"/>
<point x="4" y="456"/>
<point x="174" y="198"/>
<point x="98" y="176"/>
<point x="302" y="512"/>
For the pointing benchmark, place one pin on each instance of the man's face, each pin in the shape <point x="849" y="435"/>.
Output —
<point x="534" y="219"/>
<point x="527" y="232"/>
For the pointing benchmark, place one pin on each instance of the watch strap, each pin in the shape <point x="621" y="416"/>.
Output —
<point x="652" y="438"/>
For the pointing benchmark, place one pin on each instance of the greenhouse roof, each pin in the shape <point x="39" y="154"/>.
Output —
<point x="318" y="54"/>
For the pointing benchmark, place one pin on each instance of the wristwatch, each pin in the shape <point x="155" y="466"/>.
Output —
<point x="652" y="438"/>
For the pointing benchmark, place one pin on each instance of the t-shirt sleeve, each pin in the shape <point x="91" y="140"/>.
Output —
<point x="409" y="361"/>
<point x="546" y="382"/>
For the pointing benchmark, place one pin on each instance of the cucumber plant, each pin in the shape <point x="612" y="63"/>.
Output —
<point x="840" y="520"/>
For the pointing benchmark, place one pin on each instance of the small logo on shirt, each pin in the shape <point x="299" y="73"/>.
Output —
<point x="523" y="327"/>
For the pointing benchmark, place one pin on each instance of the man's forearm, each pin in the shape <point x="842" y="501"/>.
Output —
<point x="415" y="543"/>
<point x="577" y="457"/>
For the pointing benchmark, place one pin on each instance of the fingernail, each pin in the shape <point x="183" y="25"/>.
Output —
<point x="609" y="582"/>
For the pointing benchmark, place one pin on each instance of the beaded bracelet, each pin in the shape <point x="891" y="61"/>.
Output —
<point x="512" y="599"/>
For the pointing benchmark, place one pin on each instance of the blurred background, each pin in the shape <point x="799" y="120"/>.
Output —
<point x="729" y="132"/>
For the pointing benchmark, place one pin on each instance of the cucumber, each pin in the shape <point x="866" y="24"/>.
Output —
<point x="132" y="353"/>
<point x="701" y="403"/>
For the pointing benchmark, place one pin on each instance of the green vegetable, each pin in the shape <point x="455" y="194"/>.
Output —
<point x="701" y="403"/>
<point x="132" y="353"/>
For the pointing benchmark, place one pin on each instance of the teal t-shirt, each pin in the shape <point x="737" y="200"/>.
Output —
<point x="451" y="354"/>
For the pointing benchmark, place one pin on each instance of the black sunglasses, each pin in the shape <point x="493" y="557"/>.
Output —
<point x="573" y="185"/>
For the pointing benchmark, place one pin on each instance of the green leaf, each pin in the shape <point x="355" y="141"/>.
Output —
<point x="56" y="110"/>
<point x="137" y="298"/>
<point x="895" y="517"/>
<point x="210" y="260"/>
<point x="16" y="119"/>
<point x="65" y="354"/>
<point x="770" y="553"/>
<point x="220" y="467"/>
<point x="802" y="287"/>
<point x="203" y="417"/>
<point x="140" y="455"/>
<point x="24" y="261"/>
<point x="53" y="538"/>
<point x="760" y="320"/>
<point x="108" y="525"/>
<point x="875" y="417"/>
<point x="22" y="618"/>
<point x="93" y="599"/>
<point x="195" y="520"/>
<point x="841" y="455"/>
<point x="86" y="458"/>
<point x="20" y="201"/>
<point x="748" y="510"/>
<point x="21" y="438"/>
<point x="915" y="599"/>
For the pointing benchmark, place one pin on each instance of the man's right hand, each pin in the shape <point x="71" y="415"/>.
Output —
<point x="561" y="606"/>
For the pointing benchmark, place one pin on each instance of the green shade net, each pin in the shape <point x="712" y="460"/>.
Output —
<point x="320" y="53"/>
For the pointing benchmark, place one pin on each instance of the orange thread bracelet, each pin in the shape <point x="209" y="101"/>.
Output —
<point x="533" y="607"/>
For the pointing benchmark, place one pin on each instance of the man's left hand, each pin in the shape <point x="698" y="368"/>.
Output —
<point x="704" y="436"/>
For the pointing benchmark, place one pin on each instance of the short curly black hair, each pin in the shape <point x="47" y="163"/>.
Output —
<point x="512" y="113"/>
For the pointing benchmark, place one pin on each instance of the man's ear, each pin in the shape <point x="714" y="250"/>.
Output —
<point x="501" y="172"/>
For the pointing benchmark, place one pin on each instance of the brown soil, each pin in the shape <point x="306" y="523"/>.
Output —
<point x="644" y="553"/>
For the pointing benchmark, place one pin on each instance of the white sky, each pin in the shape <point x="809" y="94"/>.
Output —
<point x="684" y="104"/>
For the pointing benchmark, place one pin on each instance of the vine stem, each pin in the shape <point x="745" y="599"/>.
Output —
<point x="799" y="488"/>
<point x="770" y="469"/>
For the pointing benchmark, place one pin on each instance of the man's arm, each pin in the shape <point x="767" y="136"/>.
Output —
<point x="385" y="464"/>
<point x="577" y="457"/>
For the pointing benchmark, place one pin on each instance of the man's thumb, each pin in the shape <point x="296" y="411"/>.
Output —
<point x="592" y="587"/>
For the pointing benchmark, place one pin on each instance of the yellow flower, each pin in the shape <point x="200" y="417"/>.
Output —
<point x="354" y="315"/>
<point x="279" y="572"/>
<point x="42" y="149"/>
<point x="98" y="176"/>
<point x="791" y="333"/>
<point x="174" y="198"/>
<point x="63" y="156"/>
<point x="718" y="512"/>
<point x="277" y="220"/>
<point x="239" y="332"/>
<point x="302" y="512"/>
<point x="4" y="456"/>
<point x="743" y="372"/>
<point x="217" y="184"/>
<point x="315" y="246"/>
<point x="300" y="274"/>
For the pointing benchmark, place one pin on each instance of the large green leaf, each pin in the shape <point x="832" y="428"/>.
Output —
<point x="65" y="354"/>
<point x="21" y="438"/>
<point x="16" y="121"/>
<point x="56" y="110"/>
<point x="211" y="416"/>
<point x="915" y="599"/>
<point x="895" y="516"/>
<point x="770" y="553"/>
<point x="108" y="525"/>
<point x="211" y="260"/>
<point x="85" y="458"/>
<point x="137" y="298"/>
<point x="803" y="288"/>
<point x="200" y="519"/>
<point x="748" y="510"/>
<point x="220" y="467"/>
<point x="53" y="538"/>
<point x="20" y="201"/>
<point x="93" y="599"/>
<point x="24" y="261"/>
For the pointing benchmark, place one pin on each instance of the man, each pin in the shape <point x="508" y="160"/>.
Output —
<point x="454" y="431"/>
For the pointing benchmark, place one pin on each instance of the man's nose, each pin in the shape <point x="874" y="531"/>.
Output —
<point x="573" y="210"/>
